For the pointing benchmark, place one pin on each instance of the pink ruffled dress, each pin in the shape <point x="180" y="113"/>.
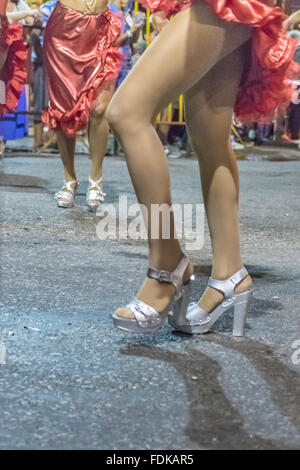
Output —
<point x="266" y="88"/>
<point x="80" y="56"/>
<point x="14" y="71"/>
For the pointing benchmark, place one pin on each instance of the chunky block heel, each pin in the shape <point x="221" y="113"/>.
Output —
<point x="198" y="321"/>
<point x="181" y="304"/>
<point x="241" y="308"/>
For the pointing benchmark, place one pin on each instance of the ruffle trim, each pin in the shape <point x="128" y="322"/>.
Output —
<point x="168" y="7"/>
<point x="266" y="89"/>
<point x="15" y="73"/>
<point x="12" y="32"/>
<point x="76" y="119"/>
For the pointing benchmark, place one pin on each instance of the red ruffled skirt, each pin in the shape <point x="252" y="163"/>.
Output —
<point x="80" y="57"/>
<point x="14" y="71"/>
<point x="265" y="88"/>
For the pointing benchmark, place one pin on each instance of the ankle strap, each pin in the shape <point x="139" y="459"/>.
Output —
<point x="174" y="277"/>
<point x="95" y="184"/>
<point x="227" y="287"/>
<point x="67" y="185"/>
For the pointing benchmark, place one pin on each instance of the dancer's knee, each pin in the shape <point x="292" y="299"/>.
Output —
<point x="98" y="111"/>
<point x="212" y="146"/>
<point x="113" y="115"/>
<point x="120" y="116"/>
<point x="124" y="116"/>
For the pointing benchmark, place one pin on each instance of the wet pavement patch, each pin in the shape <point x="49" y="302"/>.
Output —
<point x="23" y="182"/>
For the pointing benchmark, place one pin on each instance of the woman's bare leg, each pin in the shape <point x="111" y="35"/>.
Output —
<point x="98" y="135"/>
<point x="66" y="147"/>
<point x="209" y="107"/>
<point x="98" y="131"/>
<point x="197" y="39"/>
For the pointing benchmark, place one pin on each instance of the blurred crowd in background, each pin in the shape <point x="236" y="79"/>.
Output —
<point x="137" y="34"/>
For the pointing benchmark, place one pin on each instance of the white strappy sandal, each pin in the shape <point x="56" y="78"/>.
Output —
<point x="66" y="198"/>
<point x="94" y="195"/>
<point x="198" y="321"/>
<point x="147" y="319"/>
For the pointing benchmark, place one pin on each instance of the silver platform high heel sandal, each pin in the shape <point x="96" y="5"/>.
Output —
<point x="94" y="195"/>
<point x="198" y="321"/>
<point x="66" y="198"/>
<point x="147" y="319"/>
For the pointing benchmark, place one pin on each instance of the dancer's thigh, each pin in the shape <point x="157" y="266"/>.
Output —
<point x="209" y="105"/>
<point x="185" y="50"/>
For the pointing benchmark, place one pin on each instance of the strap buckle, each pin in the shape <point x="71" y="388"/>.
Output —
<point x="161" y="276"/>
<point x="164" y="276"/>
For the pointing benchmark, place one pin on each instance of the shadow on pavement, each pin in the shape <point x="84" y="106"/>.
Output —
<point x="214" y="422"/>
<point x="23" y="182"/>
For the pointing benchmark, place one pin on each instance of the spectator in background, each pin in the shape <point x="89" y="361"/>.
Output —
<point x="15" y="71"/>
<point x="40" y="94"/>
<point x="294" y="112"/>
<point x="3" y="56"/>
<point x="291" y="21"/>
<point x="131" y="26"/>
<point x="138" y="49"/>
<point x="19" y="10"/>
<point x="46" y="10"/>
<point x="39" y="89"/>
<point x="3" y="44"/>
<point x="295" y="34"/>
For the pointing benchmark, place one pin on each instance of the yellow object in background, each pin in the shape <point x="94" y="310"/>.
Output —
<point x="35" y="3"/>
<point x="148" y="29"/>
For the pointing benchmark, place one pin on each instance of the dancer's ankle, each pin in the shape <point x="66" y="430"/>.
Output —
<point x="225" y="270"/>
<point x="69" y="178"/>
<point x="167" y="260"/>
<point x="96" y="176"/>
<point x="169" y="263"/>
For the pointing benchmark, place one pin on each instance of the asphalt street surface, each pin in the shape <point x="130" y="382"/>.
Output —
<point x="69" y="380"/>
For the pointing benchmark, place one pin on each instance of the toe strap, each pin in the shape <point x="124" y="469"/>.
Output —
<point x="65" y="195"/>
<point x="144" y="314"/>
<point x="95" y="195"/>
<point x="196" y="315"/>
